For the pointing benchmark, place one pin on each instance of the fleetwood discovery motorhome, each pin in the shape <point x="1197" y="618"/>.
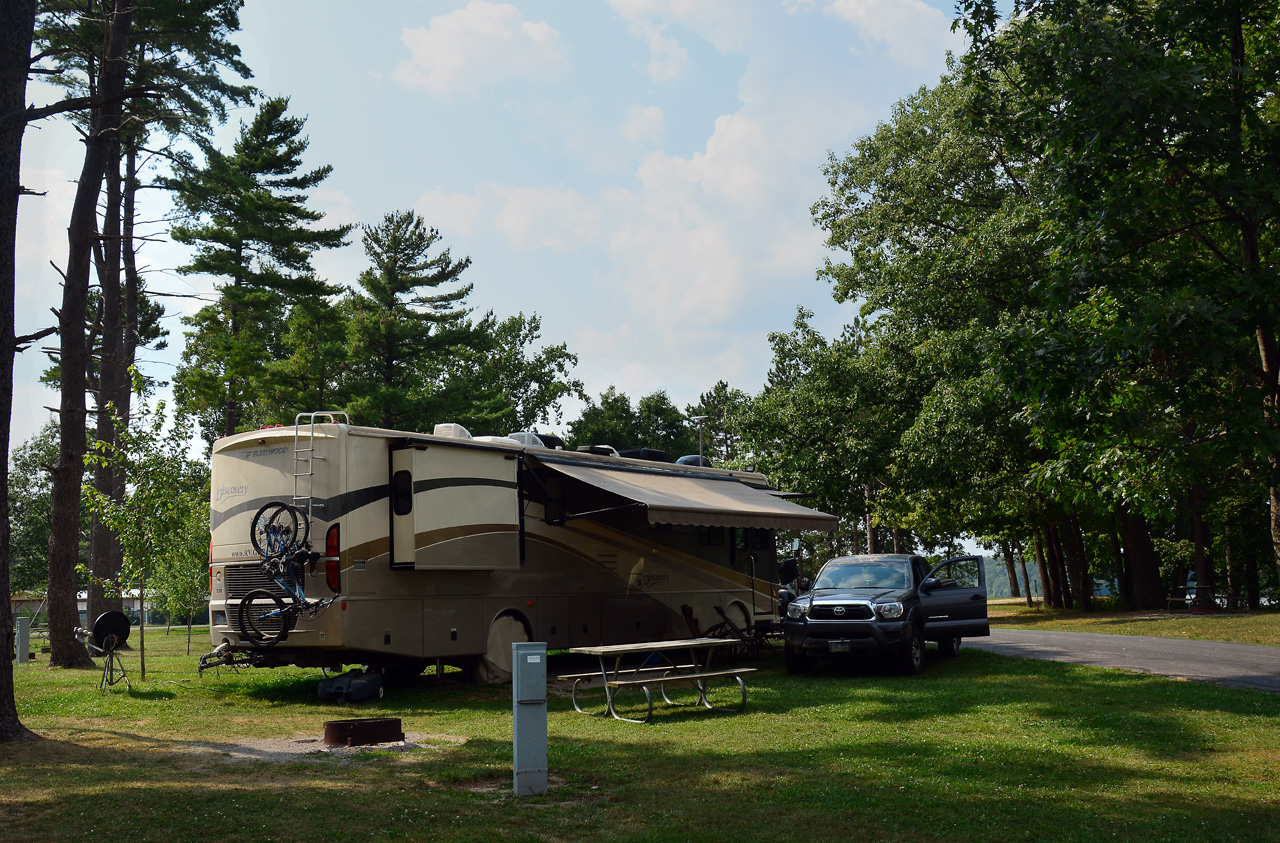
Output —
<point x="448" y="548"/>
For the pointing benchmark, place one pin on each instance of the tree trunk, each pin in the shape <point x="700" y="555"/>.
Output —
<point x="1078" y="559"/>
<point x="1026" y="579"/>
<point x="1232" y="563"/>
<point x="1047" y="583"/>
<point x="1057" y="568"/>
<point x="1273" y="463"/>
<point x="105" y="555"/>
<point x="1205" y="585"/>
<point x="17" y="26"/>
<point x="1124" y="587"/>
<point x="64" y="535"/>
<point x="1141" y="563"/>
<point x="872" y="546"/>
<point x="1007" y="549"/>
<point x="1252" y="589"/>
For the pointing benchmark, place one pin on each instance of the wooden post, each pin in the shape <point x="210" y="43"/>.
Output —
<point x="142" y="628"/>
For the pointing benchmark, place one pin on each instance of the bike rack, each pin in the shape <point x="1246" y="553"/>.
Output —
<point x="304" y="469"/>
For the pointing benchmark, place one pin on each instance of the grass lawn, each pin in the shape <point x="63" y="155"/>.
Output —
<point x="981" y="747"/>
<point x="1261" y="627"/>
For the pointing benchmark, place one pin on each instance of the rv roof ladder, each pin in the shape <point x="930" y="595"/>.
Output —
<point x="305" y="456"/>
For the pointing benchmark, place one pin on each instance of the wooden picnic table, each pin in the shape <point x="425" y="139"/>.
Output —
<point x="656" y="663"/>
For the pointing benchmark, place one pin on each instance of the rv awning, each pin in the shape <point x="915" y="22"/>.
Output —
<point x="700" y="500"/>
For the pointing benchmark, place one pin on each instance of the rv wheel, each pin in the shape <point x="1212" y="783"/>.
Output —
<point x="405" y="671"/>
<point x="495" y="665"/>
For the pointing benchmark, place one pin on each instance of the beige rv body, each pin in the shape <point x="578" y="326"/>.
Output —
<point x="450" y="549"/>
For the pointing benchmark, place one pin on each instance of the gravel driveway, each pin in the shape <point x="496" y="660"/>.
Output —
<point x="1235" y="665"/>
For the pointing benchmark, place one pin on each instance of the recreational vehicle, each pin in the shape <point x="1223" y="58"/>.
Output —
<point x="447" y="548"/>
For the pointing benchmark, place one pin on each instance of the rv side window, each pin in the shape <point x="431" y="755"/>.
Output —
<point x="402" y="493"/>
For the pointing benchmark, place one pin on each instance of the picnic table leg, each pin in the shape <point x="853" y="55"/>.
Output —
<point x="742" y="706"/>
<point x="573" y="695"/>
<point x="608" y="691"/>
<point x="648" y="698"/>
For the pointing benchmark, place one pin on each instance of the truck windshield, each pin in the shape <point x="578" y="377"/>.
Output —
<point x="861" y="574"/>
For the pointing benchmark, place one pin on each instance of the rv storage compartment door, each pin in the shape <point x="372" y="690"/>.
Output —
<point x="465" y="510"/>
<point x="402" y="506"/>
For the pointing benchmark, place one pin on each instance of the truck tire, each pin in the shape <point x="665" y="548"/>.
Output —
<point x="911" y="656"/>
<point x="796" y="660"/>
<point x="949" y="648"/>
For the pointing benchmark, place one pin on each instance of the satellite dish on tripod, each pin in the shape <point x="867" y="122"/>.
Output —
<point x="110" y="632"/>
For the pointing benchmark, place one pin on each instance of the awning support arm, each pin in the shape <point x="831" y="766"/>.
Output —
<point x="564" y="516"/>
<point x="606" y="511"/>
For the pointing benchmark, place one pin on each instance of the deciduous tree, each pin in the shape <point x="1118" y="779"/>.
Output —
<point x="1157" y="128"/>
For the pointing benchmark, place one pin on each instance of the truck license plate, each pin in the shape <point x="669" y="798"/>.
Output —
<point x="838" y="646"/>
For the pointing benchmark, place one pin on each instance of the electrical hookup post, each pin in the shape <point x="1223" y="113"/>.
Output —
<point x="529" y="716"/>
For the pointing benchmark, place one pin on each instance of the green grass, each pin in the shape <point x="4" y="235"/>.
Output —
<point x="1261" y="627"/>
<point x="977" y="748"/>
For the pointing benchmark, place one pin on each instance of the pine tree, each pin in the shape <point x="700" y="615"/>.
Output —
<point x="403" y="328"/>
<point x="251" y="227"/>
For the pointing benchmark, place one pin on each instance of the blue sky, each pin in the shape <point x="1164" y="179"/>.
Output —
<point x="637" y="172"/>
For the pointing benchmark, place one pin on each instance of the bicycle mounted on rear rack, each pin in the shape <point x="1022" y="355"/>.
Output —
<point x="279" y="533"/>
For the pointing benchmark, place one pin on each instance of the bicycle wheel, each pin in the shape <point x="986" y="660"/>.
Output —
<point x="264" y="618"/>
<point x="274" y="529"/>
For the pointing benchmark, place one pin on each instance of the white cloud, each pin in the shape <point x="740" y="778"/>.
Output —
<point x="42" y="237"/>
<point x="338" y="207"/>
<point x="724" y="23"/>
<point x="477" y="47"/>
<point x="559" y="219"/>
<point x="644" y="124"/>
<point x="667" y="59"/>
<point x="450" y="213"/>
<point x="911" y="32"/>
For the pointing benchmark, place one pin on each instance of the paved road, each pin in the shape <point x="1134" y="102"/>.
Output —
<point x="1236" y="665"/>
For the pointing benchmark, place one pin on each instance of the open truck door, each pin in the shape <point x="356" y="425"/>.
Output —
<point x="954" y="598"/>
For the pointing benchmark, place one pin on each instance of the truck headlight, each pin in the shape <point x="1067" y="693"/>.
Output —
<point x="797" y="609"/>
<point x="889" y="611"/>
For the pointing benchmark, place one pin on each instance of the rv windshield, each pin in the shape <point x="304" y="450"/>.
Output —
<point x="856" y="573"/>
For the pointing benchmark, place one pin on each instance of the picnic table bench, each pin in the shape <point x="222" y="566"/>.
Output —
<point x="660" y="663"/>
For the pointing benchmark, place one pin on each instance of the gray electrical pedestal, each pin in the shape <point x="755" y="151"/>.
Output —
<point x="529" y="714"/>
<point x="24" y="639"/>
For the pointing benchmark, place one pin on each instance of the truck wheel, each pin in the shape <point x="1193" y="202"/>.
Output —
<point x="911" y="656"/>
<point x="949" y="648"/>
<point x="796" y="660"/>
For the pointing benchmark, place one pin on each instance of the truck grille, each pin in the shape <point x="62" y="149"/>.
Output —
<point x="850" y="612"/>
<point x="241" y="579"/>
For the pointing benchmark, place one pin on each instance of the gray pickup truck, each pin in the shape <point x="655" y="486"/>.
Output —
<point x="888" y="604"/>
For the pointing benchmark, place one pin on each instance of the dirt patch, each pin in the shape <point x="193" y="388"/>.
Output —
<point x="310" y="746"/>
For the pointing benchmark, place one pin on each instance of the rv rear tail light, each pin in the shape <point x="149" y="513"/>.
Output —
<point x="332" y="549"/>
<point x="210" y="566"/>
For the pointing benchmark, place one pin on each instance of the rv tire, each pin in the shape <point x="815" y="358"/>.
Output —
<point x="494" y="667"/>
<point x="403" y="672"/>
